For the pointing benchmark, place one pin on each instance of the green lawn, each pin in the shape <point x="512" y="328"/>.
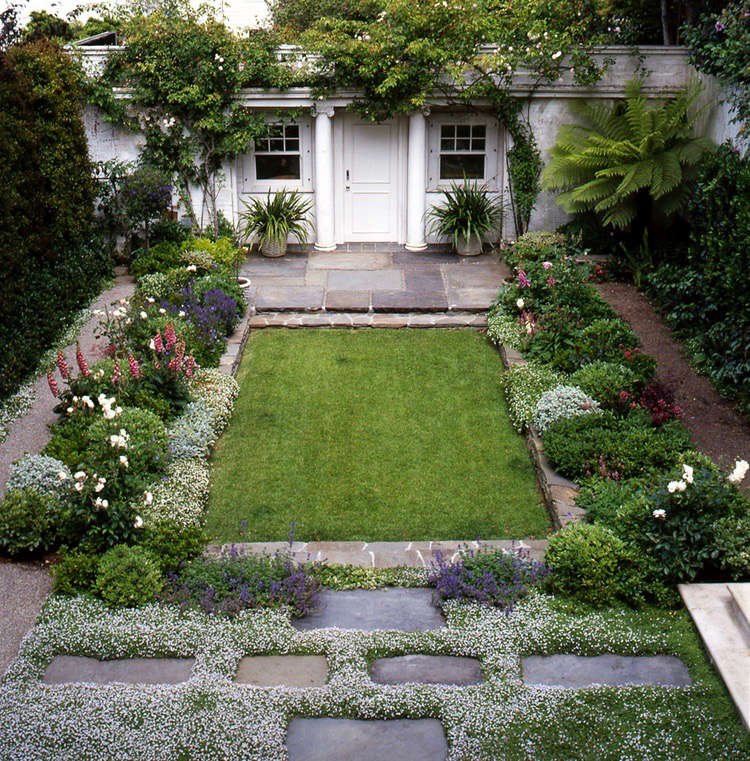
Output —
<point x="372" y="435"/>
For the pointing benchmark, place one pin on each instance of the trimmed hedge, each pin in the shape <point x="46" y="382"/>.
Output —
<point x="50" y="264"/>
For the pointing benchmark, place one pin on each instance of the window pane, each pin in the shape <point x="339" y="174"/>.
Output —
<point x="277" y="167"/>
<point x="292" y="130"/>
<point x="261" y="144"/>
<point x="478" y="130"/>
<point x="463" y="130"/>
<point x="276" y="130"/>
<point x="292" y="145"/>
<point x="447" y="130"/>
<point x="277" y="145"/>
<point x="458" y="166"/>
<point x="477" y="143"/>
<point x="447" y="144"/>
<point x="463" y="144"/>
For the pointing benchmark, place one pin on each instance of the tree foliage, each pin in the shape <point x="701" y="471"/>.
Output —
<point x="628" y="161"/>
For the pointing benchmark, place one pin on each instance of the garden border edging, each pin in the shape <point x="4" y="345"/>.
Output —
<point x="559" y="493"/>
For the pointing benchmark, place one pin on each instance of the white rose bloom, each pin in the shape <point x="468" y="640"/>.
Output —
<point x="148" y="497"/>
<point x="70" y="410"/>
<point x="674" y="486"/>
<point x="687" y="474"/>
<point x="151" y="345"/>
<point x="191" y="268"/>
<point x="62" y="475"/>
<point x="144" y="316"/>
<point x="151" y="299"/>
<point x="79" y="475"/>
<point x="659" y="513"/>
<point x="739" y="472"/>
<point x="520" y="303"/>
<point x="124" y="461"/>
<point x="162" y="310"/>
<point x="181" y="313"/>
<point x="138" y="522"/>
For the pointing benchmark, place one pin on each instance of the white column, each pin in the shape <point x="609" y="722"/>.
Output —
<point x="324" y="201"/>
<point x="416" y="177"/>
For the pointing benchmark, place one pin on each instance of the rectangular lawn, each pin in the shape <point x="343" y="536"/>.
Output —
<point x="372" y="435"/>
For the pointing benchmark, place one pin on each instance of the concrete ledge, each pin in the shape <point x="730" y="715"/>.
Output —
<point x="712" y="609"/>
<point x="458" y="319"/>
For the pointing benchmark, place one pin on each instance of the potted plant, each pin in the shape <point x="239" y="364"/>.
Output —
<point x="270" y="222"/>
<point x="467" y="215"/>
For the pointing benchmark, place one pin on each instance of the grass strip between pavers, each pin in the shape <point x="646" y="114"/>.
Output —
<point x="372" y="435"/>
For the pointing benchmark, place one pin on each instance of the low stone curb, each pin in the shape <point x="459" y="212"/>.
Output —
<point x="378" y="554"/>
<point x="367" y="320"/>
<point x="559" y="493"/>
<point x="230" y="360"/>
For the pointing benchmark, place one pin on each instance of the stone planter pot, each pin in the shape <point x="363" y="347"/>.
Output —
<point x="469" y="246"/>
<point x="273" y="250"/>
<point x="244" y="282"/>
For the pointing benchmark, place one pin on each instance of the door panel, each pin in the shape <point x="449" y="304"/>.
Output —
<point x="370" y="187"/>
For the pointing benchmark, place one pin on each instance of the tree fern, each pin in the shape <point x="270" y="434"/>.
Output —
<point x="629" y="161"/>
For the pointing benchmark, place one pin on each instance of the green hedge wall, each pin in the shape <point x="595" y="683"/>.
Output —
<point x="50" y="264"/>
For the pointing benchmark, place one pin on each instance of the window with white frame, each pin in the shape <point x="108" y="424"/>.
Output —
<point x="463" y="145"/>
<point x="277" y="154"/>
<point x="463" y="151"/>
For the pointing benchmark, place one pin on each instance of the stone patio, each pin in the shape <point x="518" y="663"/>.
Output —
<point x="382" y="279"/>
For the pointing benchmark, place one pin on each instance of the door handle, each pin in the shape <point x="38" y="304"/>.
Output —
<point x="347" y="179"/>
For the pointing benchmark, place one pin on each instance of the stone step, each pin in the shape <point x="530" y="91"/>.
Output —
<point x="296" y="319"/>
<point x="740" y="594"/>
<point x="379" y="554"/>
<point x="712" y="609"/>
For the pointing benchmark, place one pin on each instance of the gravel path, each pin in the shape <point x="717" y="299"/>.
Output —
<point x="716" y="429"/>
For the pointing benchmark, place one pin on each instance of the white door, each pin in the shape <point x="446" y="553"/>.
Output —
<point x="370" y="180"/>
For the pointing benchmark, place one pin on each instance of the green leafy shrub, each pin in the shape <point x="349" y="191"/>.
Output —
<point x="562" y="402"/>
<point x="201" y="260"/>
<point x="161" y="257"/>
<point x="523" y="386"/>
<point x="732" y="541"/>
<point x="602" y="498"/>
<point x="45" y="475"/>
<point x="154" y="285"/>
<point x="76" y="573"/>
<point x="128" y="577"/>
<point x="172" y="544"/>
<point x="221" y="250"/>
<point x="603" y="339"/>
<point x="69" y="440"/>
<point x="590" y="563"/>
<point x="535" y="247"/>
<point x="616" y="447"/>
<point x="676" y="525"/>
<point x="51" y="263"/>
<point x="30" y="522"/>
<point x="605" y="381"/>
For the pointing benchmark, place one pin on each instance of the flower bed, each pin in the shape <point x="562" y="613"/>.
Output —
<point x="126" y="466"/>
<point x="605" y="420"/>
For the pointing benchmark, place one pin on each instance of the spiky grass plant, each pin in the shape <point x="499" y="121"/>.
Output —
<point x="272" y="220"/>
<point x="629" y="162"/>
<point x="468" y="211"/>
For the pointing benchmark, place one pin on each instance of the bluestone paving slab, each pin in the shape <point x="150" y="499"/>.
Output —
<point x="347" y="301"/>
<point x="408" y="301"/>
<point x="365" y="280"/>
<point x="472" y="299"/>
<point x="577" y="671"/>
<point x="67" y="669"/>
<point x="337" y="260"/>
<point x="272" y="298"/>
<point x="424" y="281"/>
<point x="371" y="609"/>
<point x="426" y="669"/>
<point x="282" y="670"/>
<point x="460" y="278"/>
<point x="357" y="740"/>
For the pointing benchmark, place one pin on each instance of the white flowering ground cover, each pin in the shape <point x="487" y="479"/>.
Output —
<point x="211" y="718"/>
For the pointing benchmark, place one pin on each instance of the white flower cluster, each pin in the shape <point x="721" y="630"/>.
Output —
<point x="562" y="402"/>
<point x="181" y="496"/>
<point x="109" y="409"/>
<point x="523" y="386"/>
<point x="45" y="475"/>
<point x="739" y="472"/>
<point x="218" y="391"/>
<point x="504" y="329"/>
<point x="119" y="440"/>
<point x="212" y="718"/>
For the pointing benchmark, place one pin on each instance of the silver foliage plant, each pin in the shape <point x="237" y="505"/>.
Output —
<point x="45" y="475"/>
<point x="562" y="402"/>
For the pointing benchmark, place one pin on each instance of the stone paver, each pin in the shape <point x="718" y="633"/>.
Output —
<point x="397" y="608"/>
<point x="70" y="669"/>
<point x="381" y="277"/>
<point x="23" y="589"/>
<point x="358" y="740"/>
<point x="426" y="669"/>
<point x="283" y="670"/>
<point x="576" y="671"/>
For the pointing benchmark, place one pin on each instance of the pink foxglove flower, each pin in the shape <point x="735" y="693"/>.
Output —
<point x="116" y="373"/>
<point x="135" y="370"/>
<point x="158" y="345"/>
<point x="523" y="281"/>
<point x="190" y="367"/>
<point x="170" y="336"/>
<point x="52" y="385"/>
<point x="82" y="364"/>
<point x="62" y="365"/>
